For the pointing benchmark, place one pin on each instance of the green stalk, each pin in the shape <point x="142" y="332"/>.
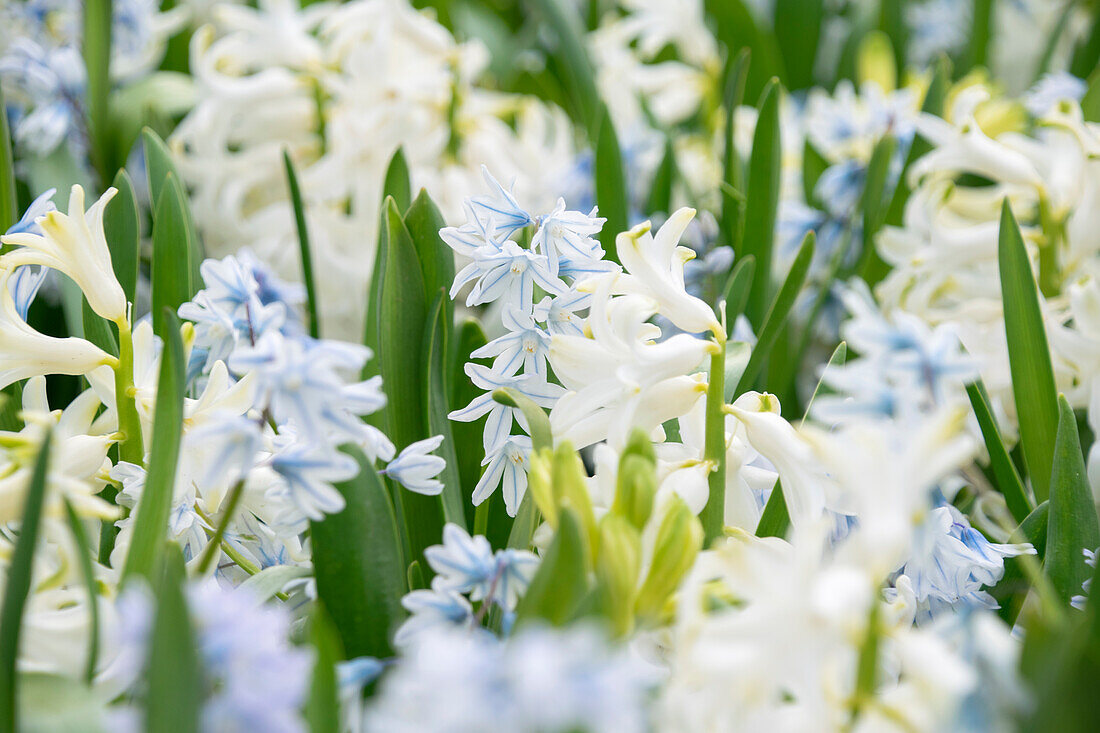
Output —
<point x="130" y="448"/>
<point x="714" y="449"/>
<point x="1053" y="233"/>
<point x="211" y="551"/>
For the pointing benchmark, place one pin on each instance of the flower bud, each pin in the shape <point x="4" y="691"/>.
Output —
<point x="634" y="489"/>
<point x="679" y="540"/>
<point x="617" y="570"/>
<point x="540" y="483"/>
<point x="570" y="491"/>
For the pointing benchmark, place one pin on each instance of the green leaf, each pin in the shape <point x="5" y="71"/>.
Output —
<point x="577" y="75"/>
<point x="1086" y="55"/>
<point x="813" y="165"/>
<point x="660" y="190"/>
<point x="151" y="514"/>
<point x="537" y="421"/>
<point x="1004" y="470"/>
<point x="122" y="229"/>
<point x="778" y="313"/>
<point x="396" y="183"/>
<point x="437" y="406"/>
<point x="737" y="290"/>
<point x="797" y="26"/>
<point x="977" y="47"/>
<point x="610" y="185"/>
<point x="171" y="257"/>
<point x="762" y="201"/>
<point x="560" y="583"/>
<point x="303" y="246"/>
<point x="732" y="220"/>
<point x="158" y="166"/>
<point x="9" y="204"/>
<point x="467" y="436"/>
<point x="437" y="261"/>
<point x="1028" y="356"/>
<point x="96" y="47"/>
<point x="173" y="671"/>
<point x="358" y="564"/>
<point x="736" y="28"/>
<point x="1012" y="588"/>
<point x="87" y="574"/>
<point x="524" y="525"/>
<point x="874" y="202"/>
<point x="1072" y="525"/>
<point x="402" y="319"/>
<point x="775" y="519"/>
<point x="1090" y="103"/>
<point x="17" y="586"/>
<point x="322" y="711"/>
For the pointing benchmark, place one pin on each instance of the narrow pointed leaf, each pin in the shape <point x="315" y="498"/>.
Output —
<point x="660" y="190"/>
<point x="9" y="206"/>
<point x="874" y="202"/>
<point x="122" y="228"/>
<point x="174" y="675"/>
<point x="762" y="201"/>
<point x="1028" y="356"/>
<point x="87" y="574"/>
<point x="158" y="166"/>
<point x="1072" y="525"/>
<point x="610" y="185"/>
<point x="1004" y="470"/>
<point x="579" y="80"/>
<point x="358" y="564"/>
<point x="304" y="250"/>
<point x="733" y="174"/>
<point x="467" y="436"/>
<point x="171" y="256"/>
<point x="778" y="313"/>
<point x="322" y="711"/>
<point x="736" y="29"/>
<point x="437" y="261"/>
<point x="797" y="30"/>
<point x="17" y="586"/>
<point x="737" y="291"/>
<point x="396" y="183"/>
<point x="437" y="406"/>
<point x="151" y="513"/>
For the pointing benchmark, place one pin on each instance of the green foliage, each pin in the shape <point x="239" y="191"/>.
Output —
<point x="312" y="309"/>
<point x="797" y="25"/>
<point x="1072" y="524"/>
<point x="1004" y="470"/>
<point x="560" y="584"/>
<point x="358" y="564"/>
<point x="172" y="286"/>
<point x="1028" y="356"/>
<point x="9" y="204"/>
<point x="610" y="184"/>
<point x="122" y="228"/>
<point x="17" y="586"/>
<point x="173" y="672"/>
<point x="151" y="513"/>
<point x="437" y="405"/>
<point x="161" y="170"/>
<point x="762" y="201"/>
<point x="322" y="711"/>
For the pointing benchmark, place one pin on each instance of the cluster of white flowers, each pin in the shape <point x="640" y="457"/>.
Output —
<point x="341" y="87"/>
<point x="944" y="257"/>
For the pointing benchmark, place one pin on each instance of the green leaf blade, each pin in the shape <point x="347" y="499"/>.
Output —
<point x="151" y="513"/>
<point x="610" y="185"/>
<point x="358" y="564"/>
<point x="762" y="201"/>
<point x="1028" y="356"/>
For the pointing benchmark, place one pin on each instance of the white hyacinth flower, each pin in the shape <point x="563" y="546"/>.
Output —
<point x="74" y="244"/>
<point x="656" y="267"/>
<point x="24" y="352"/>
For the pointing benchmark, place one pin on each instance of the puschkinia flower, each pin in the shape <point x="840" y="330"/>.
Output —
<point x="539" y="681"/>
<point x="253" y="677"/>
<point x="1079" y="601"/>
<point x="467" y="565"/>
<point x="415" y="467"/>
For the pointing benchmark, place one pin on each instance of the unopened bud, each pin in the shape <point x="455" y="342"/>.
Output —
<point x="679" y="539"/>
<point x="617" y="570"/>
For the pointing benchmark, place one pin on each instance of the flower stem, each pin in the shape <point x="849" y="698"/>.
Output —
<point x="130" y="448"/>
<point x="214" y="545"/>
<point x="714" y="450"/>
